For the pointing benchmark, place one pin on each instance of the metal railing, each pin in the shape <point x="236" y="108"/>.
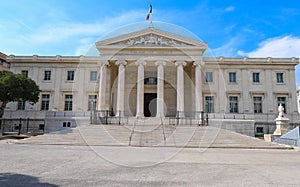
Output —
<point x="23" y="125"/>
<point x="105" y="117"/>
<point x="188" y="118"/>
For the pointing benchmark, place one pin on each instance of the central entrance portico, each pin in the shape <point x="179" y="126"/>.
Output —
<point x="173" y="61"/>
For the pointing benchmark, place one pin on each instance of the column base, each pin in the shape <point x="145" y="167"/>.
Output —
<point x="180" y="114"/>
<point x="139" y="115"/>
<point x="120" y="114"/>
<point x="160" y="115"/>
<point x="199" y="114"/>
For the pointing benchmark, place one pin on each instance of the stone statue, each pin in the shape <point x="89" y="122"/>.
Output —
<point x="281" y="121"/>
<point x="280" y="111"/>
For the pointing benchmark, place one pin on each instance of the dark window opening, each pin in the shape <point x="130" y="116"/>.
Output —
<point x="150" y="81"/>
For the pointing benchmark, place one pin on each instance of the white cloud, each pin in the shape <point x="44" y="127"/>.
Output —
<point x="285" y="46"/>
<point x="229" y="49"/>
<point x="84" y="46"/>
<point x="229" y="9"/>
<point x="22" y="38"/>
<point x="61" y="31"/>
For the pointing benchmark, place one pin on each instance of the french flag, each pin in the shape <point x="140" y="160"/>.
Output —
<point x="149" y="12"/>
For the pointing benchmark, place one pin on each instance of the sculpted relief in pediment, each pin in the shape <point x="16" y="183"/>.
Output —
<point x="151" y="40"/>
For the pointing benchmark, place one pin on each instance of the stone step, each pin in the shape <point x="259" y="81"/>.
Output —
<point x="175" y="136"/>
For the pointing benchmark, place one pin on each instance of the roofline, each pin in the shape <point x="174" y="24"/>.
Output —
<point x="146" y="31"/>
<point x="3" y="56"/>
<point x="220" y="60"/>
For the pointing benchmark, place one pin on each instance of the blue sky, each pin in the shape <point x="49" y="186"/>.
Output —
<point x="231" y="28"/>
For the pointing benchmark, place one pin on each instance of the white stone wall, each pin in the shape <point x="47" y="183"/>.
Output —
<point x="298" y="99"/>
<point x="220" y="88"/>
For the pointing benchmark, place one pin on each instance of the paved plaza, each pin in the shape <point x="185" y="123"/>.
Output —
<point x="68" y="158"/>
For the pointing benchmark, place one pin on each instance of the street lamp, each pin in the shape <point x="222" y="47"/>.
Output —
<point x="92" y="109"/>
<point x="207" y="110"/>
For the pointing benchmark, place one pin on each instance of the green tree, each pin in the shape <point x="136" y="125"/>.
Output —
<point x="15" y="87"/>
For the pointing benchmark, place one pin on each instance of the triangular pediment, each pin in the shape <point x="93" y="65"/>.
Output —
<point x="150" y="37"/>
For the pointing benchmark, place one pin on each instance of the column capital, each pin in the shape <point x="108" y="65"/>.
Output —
<point x="198" y="63"/>
<point x="160" y="63"/>
<point x="118" y="63"/>
<point x="180" y="63"/>
<point x="140" y="63"/>
<point x="103" y="63"/>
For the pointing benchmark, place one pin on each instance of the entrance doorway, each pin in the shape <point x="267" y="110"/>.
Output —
<point x="150" y="102"/>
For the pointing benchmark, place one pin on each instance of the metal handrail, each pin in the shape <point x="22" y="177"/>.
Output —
<point x="163" y="127"/>
<point x="132" y="131"/>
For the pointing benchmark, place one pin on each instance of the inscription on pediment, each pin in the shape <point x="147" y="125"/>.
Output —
<point x="152" y="40"/>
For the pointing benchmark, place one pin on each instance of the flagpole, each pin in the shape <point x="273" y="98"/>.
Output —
<point x="149" y="17"/>
<point x="151" y="24"/>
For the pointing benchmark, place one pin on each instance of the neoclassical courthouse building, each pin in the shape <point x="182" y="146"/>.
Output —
<point x="156" y="73"/>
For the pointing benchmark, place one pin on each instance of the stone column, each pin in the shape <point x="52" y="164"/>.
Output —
<point x="180" y="89"/>
<point x="140" y="89"/>
<point x="160" y="89"/>
<point x="198" y="90"/>
<point x="102" y="99"/>
<point x="121" y="88"/>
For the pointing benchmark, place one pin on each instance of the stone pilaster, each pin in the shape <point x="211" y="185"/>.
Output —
<point x="121" y="88"/>
<point x="160" y="89"/>
<point x="102" y="98"/>
<point x="180" y="89"/>
<point x="140" y="89"/>
<point x="198" y="90"/>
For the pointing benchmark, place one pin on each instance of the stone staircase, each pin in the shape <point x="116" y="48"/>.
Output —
<point x="149" y="135"/>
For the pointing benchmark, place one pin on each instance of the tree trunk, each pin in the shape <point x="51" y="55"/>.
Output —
<point x="2" y="107"/>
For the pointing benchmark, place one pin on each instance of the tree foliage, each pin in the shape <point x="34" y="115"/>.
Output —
<point x="15" y="87"/>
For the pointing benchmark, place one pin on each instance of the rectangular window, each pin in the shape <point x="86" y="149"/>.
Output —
<point x="255" y="77"/>
<point x="92" y="102"/>
<point x="24" y="73"/>
<point x="257" y="101"/>
<point x="209" y="104"/>
<point x="233" y="104"/>
<point x="70" y="76"/>
<point x="47" y="75"/>
<point x="21" y="105"/>
<point x="68" y="102"/>
<point x="45" y="101"/>
<point x="66" y="124"/>
<point x="208" y="77"/>
<point x="150" y="81"/>
<point x="279" y="77"/>
<point x="259" y="130"/>
<point x="93" y="75"/>
<point x="232" y="77"/>
<point x="282" y="101"/>
<point x="1" y="62"/>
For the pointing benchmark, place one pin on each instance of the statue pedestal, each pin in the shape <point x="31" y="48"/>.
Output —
<point x="280" y="121"/>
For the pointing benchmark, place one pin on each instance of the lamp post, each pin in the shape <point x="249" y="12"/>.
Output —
<point x="93" y="110"/>
<point x="207" y="108"/>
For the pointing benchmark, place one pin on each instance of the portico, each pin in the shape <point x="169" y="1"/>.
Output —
<point x="142" y="59"/>
<point x="149" y="88"/>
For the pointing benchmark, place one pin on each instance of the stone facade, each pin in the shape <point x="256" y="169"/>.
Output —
<point x="3" y="64"/>
<point x="154" y="73"/>
<point x="298" y="99"/>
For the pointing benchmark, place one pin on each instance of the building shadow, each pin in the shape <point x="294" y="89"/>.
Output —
<point x="14" y="179"/>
